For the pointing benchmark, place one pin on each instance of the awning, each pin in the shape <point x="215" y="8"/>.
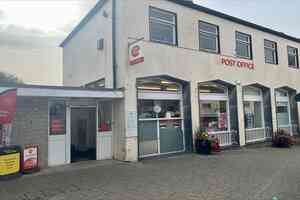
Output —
<point x="61" y="91"/>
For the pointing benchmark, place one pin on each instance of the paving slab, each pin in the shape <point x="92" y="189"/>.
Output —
<point x="245" y="174"/>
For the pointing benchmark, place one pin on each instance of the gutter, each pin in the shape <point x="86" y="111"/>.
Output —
<point x="114" y="57"/>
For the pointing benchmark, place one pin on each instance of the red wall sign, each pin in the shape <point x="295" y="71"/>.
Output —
<point x="7" y="106"/>
<point x="237" y="63"/>
<point x="135" y="54"/>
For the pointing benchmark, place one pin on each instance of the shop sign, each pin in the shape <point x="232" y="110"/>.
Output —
<point x="135" y="54"/>
<point x="7" y="112"/>
<point x="9" y="164"/>
<point x="230" y="62"/>
<point x="30" y="158"/>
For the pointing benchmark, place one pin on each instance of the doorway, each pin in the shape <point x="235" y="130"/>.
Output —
<point x="83" y="134"/>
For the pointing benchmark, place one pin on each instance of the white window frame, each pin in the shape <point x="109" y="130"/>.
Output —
<point x="296" y="56"/>
<point x="274" y="52"/>
<point x="210" y="34"/>
<point x="153" y="19"/>
<point x="248" y="43"/>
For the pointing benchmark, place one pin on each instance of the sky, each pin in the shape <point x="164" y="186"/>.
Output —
<point x="31" y="30"/>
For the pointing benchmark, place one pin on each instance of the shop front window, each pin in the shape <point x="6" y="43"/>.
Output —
<point x="282" y="110"/>
<point x="253" y="114"/>
<point x="213" y="116"/>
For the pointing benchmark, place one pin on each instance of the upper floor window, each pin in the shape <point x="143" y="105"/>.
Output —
<point x="243" y="45"/>
<point x="293" y="57"/>
<point x="270" y="52"/>
<point x="163" y="26"/>
<point x="208" y="37"/>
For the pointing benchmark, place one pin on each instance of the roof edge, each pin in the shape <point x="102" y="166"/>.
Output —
<point x="84" y="21"/>
<point x="209" y="11"/>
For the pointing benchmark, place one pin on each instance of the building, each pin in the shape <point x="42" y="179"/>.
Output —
<point x="167" y="69"/>
<point x="182" y="67"/>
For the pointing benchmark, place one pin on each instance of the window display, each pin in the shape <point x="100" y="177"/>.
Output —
<point x="168" y="109"/>
<point x="213" y="116"/>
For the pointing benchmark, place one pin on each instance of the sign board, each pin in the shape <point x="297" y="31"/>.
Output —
<point x="9" y="161"/>
<point x="232" y="62"/>
<point x="30" y="158"/>
<point x="8" y="100"/>
<point x="135" y="54"/>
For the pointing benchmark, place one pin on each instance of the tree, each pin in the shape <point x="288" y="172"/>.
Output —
<point x="6" y="78"/>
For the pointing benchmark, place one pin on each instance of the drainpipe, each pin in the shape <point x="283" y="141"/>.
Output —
<point x="114" y="58"/>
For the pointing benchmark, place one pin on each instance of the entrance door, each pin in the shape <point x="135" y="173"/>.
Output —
<point x="83" y="134"/>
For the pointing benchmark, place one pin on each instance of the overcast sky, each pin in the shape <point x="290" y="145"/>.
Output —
<point x="31" y="30"/>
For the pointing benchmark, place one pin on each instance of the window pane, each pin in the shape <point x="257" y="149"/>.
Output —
<point x="270" y="44"/>
<point x="57" y="118"/>
<point x="105" y="116"/>
<point x="213" y="116"/>
<point x="281" y="93"/>
<point x="145" y="108"/>
<point x="169" y="109"/>
<point x="208" y="28"/>
<point x="270" y="56"/>
<point x="211" y="88"/>
<point x="243" y="37"/>
<point x="161" y="15"/>
<point x="282" y="113"/>
<point x="242" y="49"/>
<point x="251" y="91"/>
<point x="253" y="114"/>
<point x="162" y="32"/>
<point x="292" y="60"/>
<point x="209" y="43"/>
<point x="292" y="50"/>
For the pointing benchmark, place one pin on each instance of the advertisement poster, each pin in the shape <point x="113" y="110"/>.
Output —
<point x="7" y="113"/>
<point x="9" y="164"/>
<point x="30" y="158"/>
<point x="57" y="118"/>
<point x="135" y="54"/>
<point x="222" y="121"/>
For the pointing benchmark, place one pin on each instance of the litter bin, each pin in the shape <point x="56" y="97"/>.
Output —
<point x="10" y="159"/>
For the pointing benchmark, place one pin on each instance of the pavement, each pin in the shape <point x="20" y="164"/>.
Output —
<point x="244" y="174"/>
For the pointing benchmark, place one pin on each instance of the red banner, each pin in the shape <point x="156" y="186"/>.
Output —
<point x="8" y="106"/>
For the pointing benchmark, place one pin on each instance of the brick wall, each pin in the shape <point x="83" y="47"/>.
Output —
<point x="30" y="125"/>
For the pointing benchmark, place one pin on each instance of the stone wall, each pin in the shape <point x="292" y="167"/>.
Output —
<point x="30" y="125"/>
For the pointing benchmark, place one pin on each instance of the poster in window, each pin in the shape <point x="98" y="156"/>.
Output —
<point x="57" y="118"/>
<point x="222" y="123"/>
<point x="8" y="101"/>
